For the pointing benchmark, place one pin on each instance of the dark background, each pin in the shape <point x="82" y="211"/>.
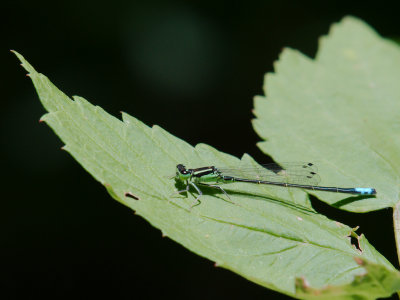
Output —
<point x="190" y="67"/>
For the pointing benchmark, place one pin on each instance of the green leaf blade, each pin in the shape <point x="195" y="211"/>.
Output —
<point x="269" y="235"/>
<point x="339" y="111"/>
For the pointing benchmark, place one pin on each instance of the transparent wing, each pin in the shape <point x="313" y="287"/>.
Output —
<point x="297" y="173"/>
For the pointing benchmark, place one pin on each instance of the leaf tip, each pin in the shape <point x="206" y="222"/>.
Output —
<point x="24" y="63"/>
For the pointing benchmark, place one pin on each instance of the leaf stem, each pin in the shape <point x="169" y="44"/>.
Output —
<point x="396" y="225"/>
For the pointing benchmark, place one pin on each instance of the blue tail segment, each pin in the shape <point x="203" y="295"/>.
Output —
<point x="365" y="191"/>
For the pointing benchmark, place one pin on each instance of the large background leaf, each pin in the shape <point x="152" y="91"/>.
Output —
<point x="269" y="235"/>
<point x="340" y="111"/>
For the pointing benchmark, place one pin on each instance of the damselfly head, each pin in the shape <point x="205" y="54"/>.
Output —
<point x="180" y="168"/>
<point x="182" y="173"/>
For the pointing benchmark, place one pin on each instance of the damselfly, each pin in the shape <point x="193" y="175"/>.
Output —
<point x="296" y="175"/>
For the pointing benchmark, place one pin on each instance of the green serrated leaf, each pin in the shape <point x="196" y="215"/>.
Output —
<point x="340" y="111"/>
<point x="269" y="235"/>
